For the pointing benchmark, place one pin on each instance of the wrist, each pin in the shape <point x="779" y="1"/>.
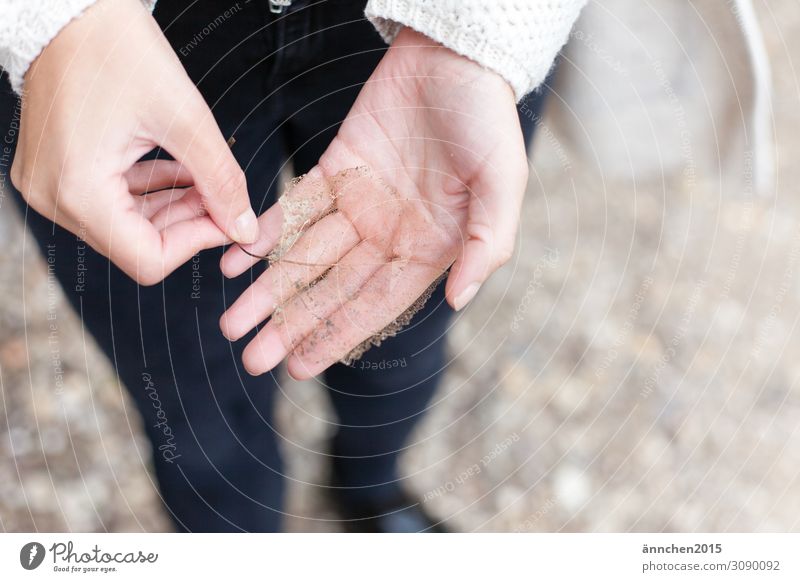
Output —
<point x="431" y="59"/>
<point x="83" y="26"/>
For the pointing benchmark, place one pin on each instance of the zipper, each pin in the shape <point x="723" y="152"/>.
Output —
<point x="277" y="6"/>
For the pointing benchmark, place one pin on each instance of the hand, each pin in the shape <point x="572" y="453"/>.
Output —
<point x="442" y="171"/>
<point x="107" y="90"/>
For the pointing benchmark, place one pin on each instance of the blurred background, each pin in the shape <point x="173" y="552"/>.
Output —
<point x="634" y="368"/>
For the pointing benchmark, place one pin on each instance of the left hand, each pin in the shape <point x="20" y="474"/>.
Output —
<point x="445" y="175"/>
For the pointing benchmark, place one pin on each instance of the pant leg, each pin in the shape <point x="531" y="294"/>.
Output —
<point x="378" y="408"/>
<point x="379" y="399"/>
<point x="209" y="422"/>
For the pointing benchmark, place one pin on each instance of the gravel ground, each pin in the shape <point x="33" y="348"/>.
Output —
<point x="633" y="368"/>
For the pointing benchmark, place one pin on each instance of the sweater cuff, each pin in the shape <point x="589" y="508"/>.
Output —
<point x="389" y="16"/>
<point x="28" y="26"/>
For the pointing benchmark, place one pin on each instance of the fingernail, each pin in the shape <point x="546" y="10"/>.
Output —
<point x="246" y="227"/>
<point x="466" y="296"/>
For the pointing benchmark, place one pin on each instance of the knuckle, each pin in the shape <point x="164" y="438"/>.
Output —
<point x="503" y="254"/>
<point x="147" y="276"/>
<point x="20" y="179"/>
<point x="145" y="272"/>
<point x="227" y="182"/>
<point x="142" y="263"/>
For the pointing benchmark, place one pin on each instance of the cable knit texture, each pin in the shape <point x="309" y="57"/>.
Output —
<point x="518" y="39"/>
<point x="27" y="26"/>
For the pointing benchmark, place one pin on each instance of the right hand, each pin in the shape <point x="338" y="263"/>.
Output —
<point x="107" y="90"/>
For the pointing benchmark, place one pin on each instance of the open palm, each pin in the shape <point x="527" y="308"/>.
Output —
<point x="427" y="171"/>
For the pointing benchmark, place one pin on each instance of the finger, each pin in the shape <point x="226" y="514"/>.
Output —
<point x="152" y="175"/>
<point x="304" y="312"/>
<point x="151" y="204"/>
<point x="493" y="218"/>
<point x="194" y="139"/>
<point x="237" y="260"/>
<point x="382" y="299"/>
<point x="186" y="207"/>
<point x="320" y="248"/>
<point x="184" y="239"/>
<point x="129" y="240"/>
<point x="148" y="255"/>
<point x="307" y="200"/>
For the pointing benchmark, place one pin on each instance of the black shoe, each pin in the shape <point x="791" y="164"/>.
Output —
<point x="395" y="513"/>
<point x="400" y="514"/>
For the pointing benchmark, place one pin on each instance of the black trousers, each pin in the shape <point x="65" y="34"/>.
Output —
<point x="280" y="84"/>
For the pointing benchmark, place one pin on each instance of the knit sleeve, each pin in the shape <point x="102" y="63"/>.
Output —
<point x="518" y="39"/>
<point x="27" y="26"/>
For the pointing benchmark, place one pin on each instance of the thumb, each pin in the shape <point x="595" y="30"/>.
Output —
<point x="195" y="140"/>
<point x="493" y="218"/>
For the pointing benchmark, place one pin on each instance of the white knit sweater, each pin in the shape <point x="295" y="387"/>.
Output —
<point x="518" y="39"/>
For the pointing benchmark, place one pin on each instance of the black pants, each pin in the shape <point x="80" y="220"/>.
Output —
<point x="280" y="85"/>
